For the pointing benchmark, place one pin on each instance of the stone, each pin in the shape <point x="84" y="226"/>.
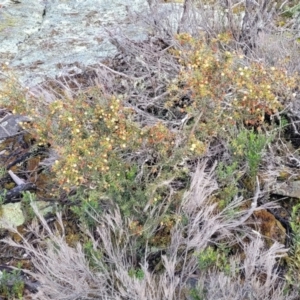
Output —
<point x="289" y="189"/>
<point x="43" y="39"/>
<point x="10" y="125"/>
<point x="47" y="38"/>
<point x="11" y="214"/>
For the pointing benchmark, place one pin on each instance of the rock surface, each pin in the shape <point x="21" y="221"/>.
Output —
<point x="51" y="38"/>
<point x="54" y="38"/>
<point x="9" y="125"/>
<point x="289" y="189"/>
<point x="11" y="214"/>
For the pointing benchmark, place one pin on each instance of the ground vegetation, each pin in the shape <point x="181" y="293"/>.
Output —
<point x="161" y="163"/>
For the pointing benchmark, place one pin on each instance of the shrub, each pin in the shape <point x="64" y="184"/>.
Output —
<point x="249" y="146"/>
<point x="105" y="156"/>
<point x="225" y="90"/>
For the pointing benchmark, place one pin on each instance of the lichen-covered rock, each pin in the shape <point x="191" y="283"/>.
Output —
<point x="289" y="189"/>
<point x="10" y="125"/>
<point x="11" y="214"/>
<point x="41" y="38"/>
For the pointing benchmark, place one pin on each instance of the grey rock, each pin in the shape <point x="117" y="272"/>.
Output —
<point x="54" y="38"/>
<point x="11" y="215"/>
<point x="10" y="125"/>
<point x="47" y="38"/>
<point x="289" y="189"/>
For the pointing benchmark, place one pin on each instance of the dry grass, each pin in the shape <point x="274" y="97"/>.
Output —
<point x="260" y="279"/>
<point x="66" y="273"/>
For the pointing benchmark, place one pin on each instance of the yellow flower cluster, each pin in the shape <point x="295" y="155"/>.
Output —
<point x="226" y="89"/>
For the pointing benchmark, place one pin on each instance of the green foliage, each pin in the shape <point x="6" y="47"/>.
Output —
<point x="126" y="191"/>
<point x="228" y="176"/>
<point x="2" y="196"/>
<point x="11" y="285"/>
<point x="295" y="225"/>
<point x="3" y="171"/>
<point x="295" y="219"/>
<point x="294" y="257"/>
<point x="27" y="210"/>
<point x="93" y="255"/>
<point x="249" y="146"/>
<point x="227" y="173"/>
<point x="292" y="11"/>
<point x="89" y="207"/>
<point x="207" y="258"/>
<point x="197" y="294"/>
<point x="283" y="122"/>
<point x="136" y="273"/>
<point x="214" y="258"/>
